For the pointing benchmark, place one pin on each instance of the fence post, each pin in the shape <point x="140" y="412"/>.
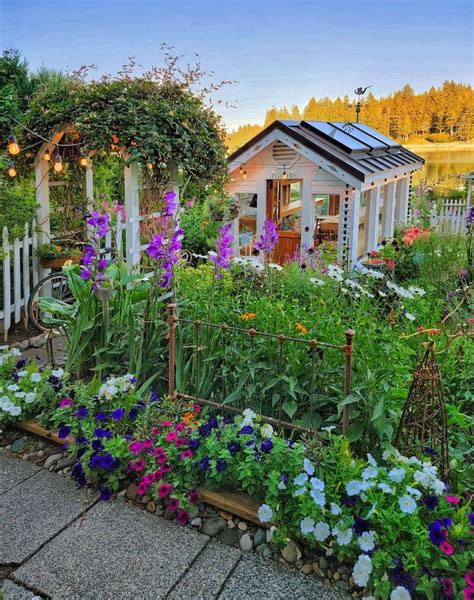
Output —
<point x="171" y="345"/>
<point x="6" y="284"/>
<point x="348" y="348"/>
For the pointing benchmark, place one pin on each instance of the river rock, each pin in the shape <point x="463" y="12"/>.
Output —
<point x="38" y="342"/>
<point x="231" y="524"/>
<point x="17" y="445"/>
<point x="264" y="551"/>
<point x="307" y="569"/>
<point x="151" y="507"/>
<point x="336" y="576"/>
<point x="291" y="552"/>
<point x="69" y="461"/>
<point x="52" y="460"/>
<point x="229" y="537"/>
<point x="259" y="537"/>
<point x="242" y="526"/>
<point x="197" y="522"/>
<point x="225" y="515"/>
<point x="213" y="526"/>
<point x="131" y="492"/>
<point x="40" y="453"/>
<point x="246" y="544"/>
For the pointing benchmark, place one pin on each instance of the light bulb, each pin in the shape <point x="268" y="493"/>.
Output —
<point x="13" y="146"/>
<point x="149" y="166"/>
<point x="58" y="164"/>
<point x="284" y="176"/>
<point x="46" y="155"/>
<point x="241" y="170"/>
<point x="244" y="176"/>
<point x="12" y="170"/>
<point x="83" y="161"/>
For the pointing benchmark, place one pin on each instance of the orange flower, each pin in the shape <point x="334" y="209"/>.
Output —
<point x="248" y="316"/>
<point x="301" y="328"/>
<point x="390" y="263"/>
<point x="188" y="418"/>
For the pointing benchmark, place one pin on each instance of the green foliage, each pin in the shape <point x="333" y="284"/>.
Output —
<point x="17" y="202"/>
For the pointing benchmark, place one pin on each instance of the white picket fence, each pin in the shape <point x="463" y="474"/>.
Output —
<point x="452" y="216"/>
<point x="18" y="274"/>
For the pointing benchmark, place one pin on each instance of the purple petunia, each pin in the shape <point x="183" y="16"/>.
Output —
<point x="118" y="414"/>
<point x="82" y="412"/>
<point x="97" y="445"/>
<point x="361" y="525"/>
<point x="81" y="440"/>
<point x="204" y="463"/>
<point x="100" y="416"/>
<point x="107" y="461"/>
<point x="431" y="502"/>
<point x="64" y="431"/>
<point x="194" y="444"/>
<point x="402" y="577"/>
<point x="246" y="430"/>
<point x="233" y="447"/>
<point x="105" y="494"/>
<point x="266" y="446"/>
<point x="102" y="433"/>
<point x="95" y="461"/>
<point x="221" y="464"/>
<point x="438" y="532"/>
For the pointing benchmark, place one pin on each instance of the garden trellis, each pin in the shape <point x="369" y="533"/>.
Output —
<point x="186" y="373"/>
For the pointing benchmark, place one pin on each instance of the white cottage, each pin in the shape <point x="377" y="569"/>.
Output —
<point x="321" y="181"/>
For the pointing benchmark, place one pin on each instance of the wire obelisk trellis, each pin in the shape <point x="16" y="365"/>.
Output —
<point x="423" y="428"/>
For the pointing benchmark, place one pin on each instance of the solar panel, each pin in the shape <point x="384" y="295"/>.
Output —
<point x="337" y="136"/>
<point x="353" y="130"/>
<point x="383" y="139"/>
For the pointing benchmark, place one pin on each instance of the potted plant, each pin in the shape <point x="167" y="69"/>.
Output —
<point x="55" y="256"/>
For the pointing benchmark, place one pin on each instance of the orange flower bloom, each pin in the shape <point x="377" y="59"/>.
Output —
<point x="248" y="316"/>
<point x="188" y="418"/>
<point x="301" y="328"/>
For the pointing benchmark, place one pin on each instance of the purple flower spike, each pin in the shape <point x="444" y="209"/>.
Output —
<point x="100" y="221"/>
<point x="221" y="257"/>
<point x="269" y="237"/>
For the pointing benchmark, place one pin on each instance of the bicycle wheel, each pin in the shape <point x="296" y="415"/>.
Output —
<point x="54" y="285"/>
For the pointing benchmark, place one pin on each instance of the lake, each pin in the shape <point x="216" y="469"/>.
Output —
<point x="445" y="164"/>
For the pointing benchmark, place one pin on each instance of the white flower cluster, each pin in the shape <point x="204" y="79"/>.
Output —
<point x="249" y="262"/>
<point x="7" y="353"/>
<point x="320" y="530"/>
<point x="360" y="268"/>
<point x="305" y="482"/>
<point x="408" y="293"/>
<point x="427" y="477"/>
<point x="335" y="272"/>
<point x="116" y="385"/>
<point x="9" y="407"/>
<point x="249" y="417"/>
<point x="265" y="513"/>
<point x="362" y="570"/>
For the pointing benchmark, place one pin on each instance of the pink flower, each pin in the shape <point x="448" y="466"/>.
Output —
<point x="446" y="548"/>
<point x="173" y="504"/>
<point x="142" y="488"/>
<point x="148" y="479"/>
<point x="182" y="517"/>
<point x="190" y="204"/>
<point x="138" y="465"/>
<point x="468" y="593"/>
<point x="161" y="458"/>
<point x="147" y="444"/>
<point x="159" y="450"/>
<point x="453" y="499"/>
<point x="66" y="402"/>
<point x="180" y="427"/>
<point x="180" y="442"/>
<point x="166" y="423"/>
<point x="155" y="431"/>
<point x="135" y="447"/>
<point x="171" y="436"/>
<point x="447" y="587"/>
<point x="197" y="408"/>
<point x="167" y="468"/>
<point x="193" y="496"/>
<point x="164" y="490"/>
<point x="186" y="454"/>
<point x="469" y="577"/>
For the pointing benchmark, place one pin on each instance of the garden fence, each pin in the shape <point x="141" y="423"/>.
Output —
<point x="451" y="218"/>
<point x="231" y="368"/>
<point x="18" y="274"/>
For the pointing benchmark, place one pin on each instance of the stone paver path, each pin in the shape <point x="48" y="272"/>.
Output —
<point x="58" y="543"/>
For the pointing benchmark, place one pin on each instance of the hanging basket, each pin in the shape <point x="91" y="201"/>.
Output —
<point x="423" y="428"/>
<point x="58" y="263"/>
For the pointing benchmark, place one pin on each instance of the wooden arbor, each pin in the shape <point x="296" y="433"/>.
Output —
<point x="423" y="428"/>
<point x="133" y="247"/>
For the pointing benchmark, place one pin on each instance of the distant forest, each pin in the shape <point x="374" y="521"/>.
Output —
<point x="439" y="115"/>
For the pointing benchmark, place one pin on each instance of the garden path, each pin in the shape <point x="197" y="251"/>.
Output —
<point x="60" y="543"/>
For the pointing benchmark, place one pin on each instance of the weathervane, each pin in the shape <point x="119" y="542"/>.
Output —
<point x="359" y="92"/>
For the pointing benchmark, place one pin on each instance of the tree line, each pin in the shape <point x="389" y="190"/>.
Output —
<point x="439" y="114"/>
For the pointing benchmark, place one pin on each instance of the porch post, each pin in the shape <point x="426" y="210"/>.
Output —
<point x="388" y="216"/>
<point x="42" y="199"/>
<point x="372" y="210"/>
<point x="89" y="186"/>
<point x="132" y="209"/>
<point x="401" y="203"/>
<point x="348" y="231"/>
<point x="261" y="207"/>
<point x="235" y="235"/>
<point x="307" y="217"/>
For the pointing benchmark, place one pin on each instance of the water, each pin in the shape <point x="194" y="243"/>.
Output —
<point x="444" y="165"/>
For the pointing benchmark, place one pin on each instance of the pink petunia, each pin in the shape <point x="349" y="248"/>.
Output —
<point x="138" y="465"/>
<point x="148" y="479"/>
<point x="66" y="402"/>
<point x="193" y="496"/>
<point x="166" y="423"/>
<point x="180" y="427"/>
<point x="155" y="431"/>
<point x="180" y="442"/>
<point x="197" y="408"/>
<point x="171" y="436"/>
<point x="135" y="447"/>
<point x="159" y="450"/>
<point x="165" y="489"/>
<point x="142" y="488"/>
<point x="147" y="444"/>
<point x="182" y="517"/>
<point x="173" y="504"/>
<point x="186" y="454"/>
<point x="161" y="458"/>
<point x="468" y="593"/>
<point x="453" y="499"/>
<point x="469" y="577"/>
<point x="446" y="548"/>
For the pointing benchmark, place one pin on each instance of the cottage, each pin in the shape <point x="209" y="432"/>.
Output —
<point x="321" y="181"/>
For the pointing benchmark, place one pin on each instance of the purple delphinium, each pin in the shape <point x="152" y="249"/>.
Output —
<point x="166" y="253"/>
<point x="269" y="237"/>
<point x="220" y="258"/>
<point x="100" y="221"/>
<point x="169" y="204"/>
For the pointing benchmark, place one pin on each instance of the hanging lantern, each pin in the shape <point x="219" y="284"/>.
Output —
<point x="11" y="170"/>
<point x="13" y="147"/>
<point x="58" y="163"/>
<point x="46" y="155"/>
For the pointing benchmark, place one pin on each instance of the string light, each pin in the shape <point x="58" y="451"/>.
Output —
<point x="58" y="163"/>
<point x="149" y="166"/>
<point x="244" y="175"/>
<point x="46" y="155"/>
<point x="284" y="175"/>
<point x="11" y="170"/>
<point x="13" y="147"/>
<point x="83" y="161"/>
<point x="241" y="170"/>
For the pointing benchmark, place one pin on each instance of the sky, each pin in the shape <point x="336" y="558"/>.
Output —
<point x="279" y="52"/>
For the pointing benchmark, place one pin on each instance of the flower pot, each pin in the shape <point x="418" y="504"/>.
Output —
<point x="59" y="262"/>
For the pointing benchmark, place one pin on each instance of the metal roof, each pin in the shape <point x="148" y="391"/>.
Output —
<point x="354" y="147"/>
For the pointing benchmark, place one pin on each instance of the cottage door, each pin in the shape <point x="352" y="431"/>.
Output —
<point x="278" y="198"/>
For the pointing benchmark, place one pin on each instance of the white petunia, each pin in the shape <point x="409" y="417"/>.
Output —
<point x="299" y="492"/>
<point x="308" y="466"/>
<point x="30" y="397"/>
<point x="20" y="395"/>
<point x="369" y="472"/>
<point x="317" y="484"/>
<point x="385" y="488"/>
<point x="410" y="317"/>
<point x="367" y="541"/>
<point x="329" y="428"/>
<point x="265" y="513"/>
<point x="407" y="504"/>
<point x="249" y="416"/>
<point x="335" y="509"/>
<point x="13" y="387"/>
<point x="318" y="497"/>
<point x="386" y="454"/>
<point x="362" y="570"/>
<point x="266" y="431"/>
<point x="343" y="536"/>
<point x="321" y="531"/>
<point x="22" y="373"/>
<point x="57" y="373"/>
<point x="413" y="491"/>
<point x="15" y="411"/>
<point x="371" y="460"/>
<point x="35" y="377"/>
<point x="400" y="593"/>
<point x="300" y="479"/>
<point x="353" y="487"/>
<point x="307" y="525"/>
<point x="397" y="475"/>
